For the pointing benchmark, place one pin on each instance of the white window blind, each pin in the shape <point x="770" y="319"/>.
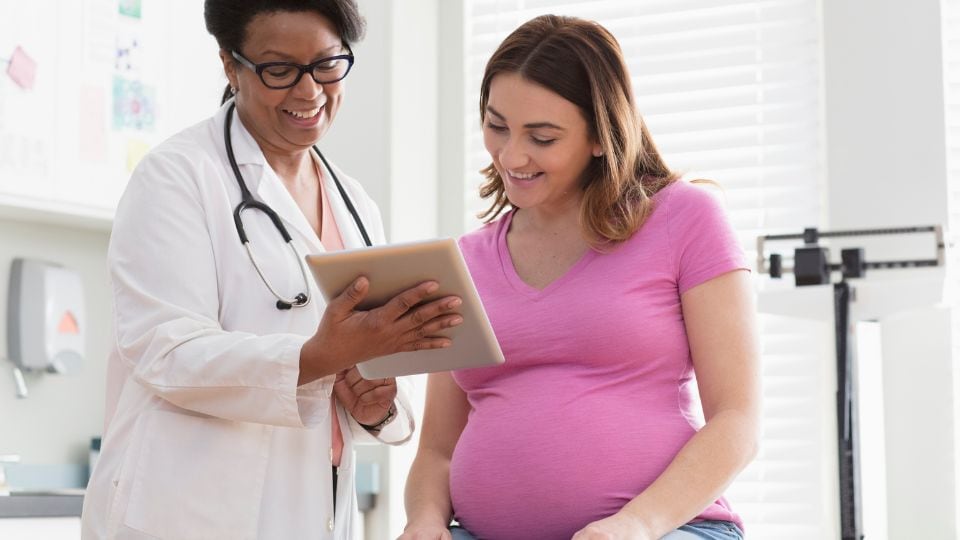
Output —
<point x="730" y="90"/>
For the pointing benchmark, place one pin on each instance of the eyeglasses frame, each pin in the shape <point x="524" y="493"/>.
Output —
<point x="259" y="68"/>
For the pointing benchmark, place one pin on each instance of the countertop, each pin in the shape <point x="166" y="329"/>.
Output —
<point x="29" y="504"/>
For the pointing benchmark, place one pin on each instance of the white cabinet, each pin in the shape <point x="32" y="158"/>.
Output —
<point x="66" y="528"/>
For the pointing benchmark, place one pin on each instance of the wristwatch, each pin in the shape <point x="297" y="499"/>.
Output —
<point x="391" y="414"/>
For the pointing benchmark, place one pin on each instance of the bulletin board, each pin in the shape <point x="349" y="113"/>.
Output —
<point x="87" y="87"/>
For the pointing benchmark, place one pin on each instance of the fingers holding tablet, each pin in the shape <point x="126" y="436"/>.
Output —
<point x="399" y="305"/>
<point x="350" y="334"/>
<point x="344" y="304"/>
<point x="411" y="323"/>
<point x="433" y="316"/>
<point x="422" y="323"/>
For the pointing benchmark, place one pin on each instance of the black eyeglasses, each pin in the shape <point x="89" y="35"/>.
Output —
<point x="280" y="75"/>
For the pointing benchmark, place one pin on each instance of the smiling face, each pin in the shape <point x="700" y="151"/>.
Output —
<point x="292" y="119"/>
<point x="539" y="142"/>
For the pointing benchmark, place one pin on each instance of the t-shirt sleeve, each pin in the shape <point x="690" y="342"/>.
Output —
<point x="702" y="240"/>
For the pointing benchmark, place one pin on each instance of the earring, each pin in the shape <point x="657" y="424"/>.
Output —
<point x="233" y="90"/>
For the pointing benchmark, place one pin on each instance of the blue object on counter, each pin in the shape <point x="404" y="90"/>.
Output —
<point x="94" y="454"/>
<point x="368" y="485"/>
<point x="43" y="490"/>
<point x="46" y="477"/>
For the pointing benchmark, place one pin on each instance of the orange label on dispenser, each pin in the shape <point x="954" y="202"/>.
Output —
<point x="68" y="324"/>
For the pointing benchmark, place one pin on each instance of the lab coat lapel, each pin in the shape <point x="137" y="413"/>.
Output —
<point x="266" y="186"/>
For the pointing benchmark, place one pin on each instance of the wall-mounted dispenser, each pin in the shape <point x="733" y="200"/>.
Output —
<point x="45" y="319"/>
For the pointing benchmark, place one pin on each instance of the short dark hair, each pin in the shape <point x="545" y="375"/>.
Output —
<point x="227" y="20"/>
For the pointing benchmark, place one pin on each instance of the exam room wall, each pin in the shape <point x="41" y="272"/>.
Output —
<point x="54" y="424"/>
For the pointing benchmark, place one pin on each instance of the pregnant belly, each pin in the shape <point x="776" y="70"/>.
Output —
<point x="547" y="478"/>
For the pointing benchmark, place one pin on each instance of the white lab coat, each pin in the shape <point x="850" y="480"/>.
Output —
<point x="207" y="435"/>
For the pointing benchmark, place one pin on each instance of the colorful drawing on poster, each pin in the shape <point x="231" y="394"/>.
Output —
<point x="130" y="8"/>
<point x="129" y="53"/>
<point x="22" y="69"/>
<point x="136" y="149"/>
<point x="133" y="105"/>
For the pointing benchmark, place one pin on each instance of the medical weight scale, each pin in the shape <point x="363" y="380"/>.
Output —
<point x="812" y="266"/>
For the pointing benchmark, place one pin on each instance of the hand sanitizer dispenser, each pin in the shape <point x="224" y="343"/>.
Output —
<point x="45" y="317"/>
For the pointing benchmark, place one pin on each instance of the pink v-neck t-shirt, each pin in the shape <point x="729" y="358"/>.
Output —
<point x="596" y="396"/>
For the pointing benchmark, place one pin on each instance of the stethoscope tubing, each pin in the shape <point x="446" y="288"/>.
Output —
<point x="247" y="201"/>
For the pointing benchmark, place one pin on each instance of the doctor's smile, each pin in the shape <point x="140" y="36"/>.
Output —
<point x="303" y="115"/>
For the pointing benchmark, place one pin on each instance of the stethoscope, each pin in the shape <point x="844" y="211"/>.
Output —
<point x="247" y="201"/>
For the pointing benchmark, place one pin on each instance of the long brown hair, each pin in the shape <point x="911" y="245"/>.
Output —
<point x="582" y="62"/>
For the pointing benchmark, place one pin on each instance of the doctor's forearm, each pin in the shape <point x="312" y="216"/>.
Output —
<point x="317" y="361"/>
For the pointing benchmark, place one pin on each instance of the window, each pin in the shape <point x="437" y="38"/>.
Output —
<point x="730" y="90"/>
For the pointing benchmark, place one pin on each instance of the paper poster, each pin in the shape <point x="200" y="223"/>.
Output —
<point x="133" y="105"/>
<point x="128" y="57"/>
<point x="130" y="8"/>
<point x="136" y="149"/>
<point x="24" y="156"/>
<point x="98" y="31"/>
<point x="22" y="69"/>
<point x="93" y="124"/>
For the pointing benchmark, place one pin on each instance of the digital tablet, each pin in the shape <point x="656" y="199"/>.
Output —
<point x="395" y="268"/>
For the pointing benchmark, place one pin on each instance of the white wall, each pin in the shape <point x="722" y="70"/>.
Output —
<point x="886" y="157"/>
<point x="385" y="134"/>
<point x="55" y="423"/>
<point x="452" y="125"/>
<point x="921" y="440"/>
<point x="358" y="142"/>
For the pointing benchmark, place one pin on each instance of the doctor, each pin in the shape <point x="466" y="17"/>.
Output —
<point x="233" y="403"/>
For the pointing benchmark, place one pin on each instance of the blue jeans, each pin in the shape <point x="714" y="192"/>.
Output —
<point x="706" y="530"/>
<point x="459" y="533"/>
<point x="701" y="530"/>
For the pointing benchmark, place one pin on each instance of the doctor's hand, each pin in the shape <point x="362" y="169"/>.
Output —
<point x="347" y="336"/>
<point x="367" y="401"/>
